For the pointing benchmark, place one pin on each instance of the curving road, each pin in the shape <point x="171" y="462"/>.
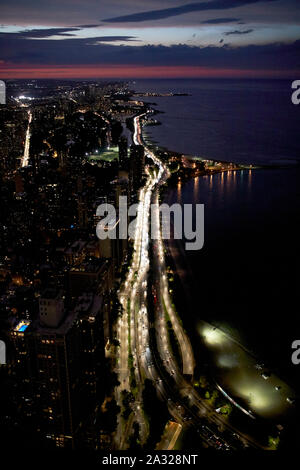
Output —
<point x="154" y="359"/>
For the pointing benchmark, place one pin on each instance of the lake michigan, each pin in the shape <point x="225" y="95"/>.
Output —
<point x="246" y="278"/>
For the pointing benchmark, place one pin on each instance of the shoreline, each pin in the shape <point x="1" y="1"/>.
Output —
<point x="184" y="274"/>
<point x="276" y="163"/>
<point x="176" y="252"/>
<point x="287" y="164"/>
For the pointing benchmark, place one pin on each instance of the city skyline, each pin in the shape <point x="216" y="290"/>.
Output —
<point x="149" y="170"/>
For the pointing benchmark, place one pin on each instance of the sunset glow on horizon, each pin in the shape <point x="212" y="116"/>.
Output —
<point x="130" y="71"/>
<point x="139" y="39"/>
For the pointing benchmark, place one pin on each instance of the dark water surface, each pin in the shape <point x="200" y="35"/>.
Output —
<point x="246" y="121"/>
<point x="246" y="278"/>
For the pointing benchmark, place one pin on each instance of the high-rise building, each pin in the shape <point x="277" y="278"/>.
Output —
<point x="57" y="383"/>
<point x="61" y="367"/>
<point x="51" y="308"/>
<point x="137" y="163"/>
<point x="113" y="246"/>
<point x="19" y="182"/>
<point x="94" y="273"/>
<point x="83" y="213"/>
<point x="123" y="152"/>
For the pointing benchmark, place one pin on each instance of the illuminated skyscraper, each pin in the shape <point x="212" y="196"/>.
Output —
<point x="61" y="366"/>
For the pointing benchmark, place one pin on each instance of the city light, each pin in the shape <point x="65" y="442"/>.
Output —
<point x="213" y="336"/>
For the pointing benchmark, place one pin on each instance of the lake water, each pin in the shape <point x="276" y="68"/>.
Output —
<point x="245" y="280"/>
<point x="247" y="121"/>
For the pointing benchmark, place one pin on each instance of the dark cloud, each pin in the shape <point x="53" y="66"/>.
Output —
<point x="220" y="21"/>
<point x="44" y="33"/>
<point x="67" y="13"/>
<point x="82" y="26"/>
<point x="175" y="11"/>
<point x="99" y="39"/>
<point x="49" y="32"/>
<point x="80" y="51"/>
<point x="236" y="32"/>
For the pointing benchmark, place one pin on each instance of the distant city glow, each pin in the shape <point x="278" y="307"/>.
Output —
<point x="23" y="97"/>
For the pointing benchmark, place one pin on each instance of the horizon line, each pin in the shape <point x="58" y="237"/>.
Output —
<point x="125" y="72"/>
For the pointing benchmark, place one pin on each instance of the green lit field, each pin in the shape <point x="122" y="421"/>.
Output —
<point x="107" y="154"/>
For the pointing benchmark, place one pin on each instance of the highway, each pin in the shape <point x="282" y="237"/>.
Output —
<point x="170" y="436"/>
<point x="153" y="357"/>
<point x="25" y="158"/>
<point x="166" y="306"/>
<point x="133" y="326"/>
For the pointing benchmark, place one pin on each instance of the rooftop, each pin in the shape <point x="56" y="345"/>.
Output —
<point x="22" y="326"/>
<point x="90" y="265"/>
<point x="50" y="293"/>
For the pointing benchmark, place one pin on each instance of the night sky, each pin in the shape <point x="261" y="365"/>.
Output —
<point x="153" y="38"/>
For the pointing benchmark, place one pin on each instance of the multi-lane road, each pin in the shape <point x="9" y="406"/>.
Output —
<point x="153" y="357"/>
<point x="133" y="324"/>
<point x="25" y="158"/>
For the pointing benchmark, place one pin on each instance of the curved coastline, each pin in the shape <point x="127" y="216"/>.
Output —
<point x="185" y="271"/>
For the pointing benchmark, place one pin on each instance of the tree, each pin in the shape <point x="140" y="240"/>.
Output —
<point x="157" y="413"/>
<point x="273" y="442"/>
<point x="134" y="439"/>
<point x="109" y="417"/>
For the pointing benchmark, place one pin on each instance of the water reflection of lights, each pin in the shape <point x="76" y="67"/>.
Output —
<point x="222" y="181"/>
<point x="196" y="188"/>
<point x="179" y="191"/>
<point x="249" y="179"/>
